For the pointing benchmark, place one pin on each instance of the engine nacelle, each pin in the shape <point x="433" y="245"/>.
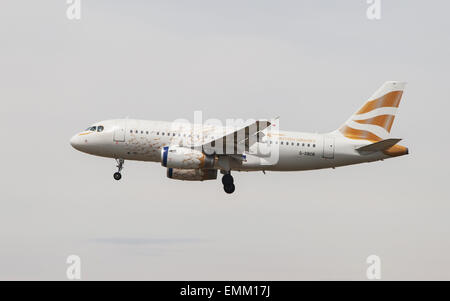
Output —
<point x="192" y="174"/>
<point x="185" y="158"/>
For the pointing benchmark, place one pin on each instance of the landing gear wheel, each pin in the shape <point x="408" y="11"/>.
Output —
<point x="229" y="188"/>
<point x="117" y="175"/>
<point x="227" y="179"/>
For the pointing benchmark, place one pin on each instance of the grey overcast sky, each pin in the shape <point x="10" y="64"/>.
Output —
<point x="311" y="62"/>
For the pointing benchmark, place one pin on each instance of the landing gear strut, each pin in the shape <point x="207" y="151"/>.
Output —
<point x="117" y="175"/>
<point x="228" y="183"/>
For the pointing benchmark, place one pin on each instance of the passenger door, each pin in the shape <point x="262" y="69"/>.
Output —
<point x="119" y="135"/>
<point x="328" y="147"/>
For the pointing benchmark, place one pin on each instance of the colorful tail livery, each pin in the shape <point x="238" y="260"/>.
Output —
<point x="373" y="121"/>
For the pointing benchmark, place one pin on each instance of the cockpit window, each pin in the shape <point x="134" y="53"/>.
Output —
<point x="100" y="128"/>
<point x="92" y="128"/>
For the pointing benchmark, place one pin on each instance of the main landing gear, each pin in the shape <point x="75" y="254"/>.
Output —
<point x="228" y="183"/>
<point x="117" y="175"/>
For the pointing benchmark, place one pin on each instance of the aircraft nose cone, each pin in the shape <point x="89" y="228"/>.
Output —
<point x="75" y="142"/>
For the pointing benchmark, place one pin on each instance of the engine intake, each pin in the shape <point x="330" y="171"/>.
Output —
<point x="185" y="158"/>
<point x="191" y="174"/>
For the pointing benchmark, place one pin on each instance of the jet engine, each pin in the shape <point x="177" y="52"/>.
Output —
<point x="185" y="158"/>
<point x="191" y="174"/>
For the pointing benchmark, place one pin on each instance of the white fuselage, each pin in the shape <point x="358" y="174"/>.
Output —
<point x="143" y="140"/>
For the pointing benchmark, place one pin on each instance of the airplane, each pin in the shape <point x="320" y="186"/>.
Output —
<point x="193" y="152"/>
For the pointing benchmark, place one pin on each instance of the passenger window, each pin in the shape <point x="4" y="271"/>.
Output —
<point x="308" y="144"/>
<point x="136" y="131"/>
<point x="281" y="142"/>
<point x="298" y="144"/>
<point x="157" y="133"/>
<point x="314" y="145"/>
<point x="146" y="132"/>
<point x="303" y="144"/>
<point x="162" y="133"/>
<point x="100" y="128"/>
<point x="131" y="131"/>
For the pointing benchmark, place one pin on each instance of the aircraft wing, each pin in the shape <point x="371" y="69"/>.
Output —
<point x="238" y="140"/>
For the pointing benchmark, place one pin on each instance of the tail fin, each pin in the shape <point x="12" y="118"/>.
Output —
<point x="373" y="121"/>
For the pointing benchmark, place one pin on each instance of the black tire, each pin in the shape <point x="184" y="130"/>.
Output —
<point x="227" y="179"/>
<point x="117" y="176"/>
<point x="229" y="188"/>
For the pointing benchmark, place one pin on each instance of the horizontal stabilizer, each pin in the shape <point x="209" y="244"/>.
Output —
<point x="379" y="146"/>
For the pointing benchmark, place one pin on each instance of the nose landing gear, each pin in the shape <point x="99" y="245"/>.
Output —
<point x="228" y="183"/>
<point x="117" y="175"/>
